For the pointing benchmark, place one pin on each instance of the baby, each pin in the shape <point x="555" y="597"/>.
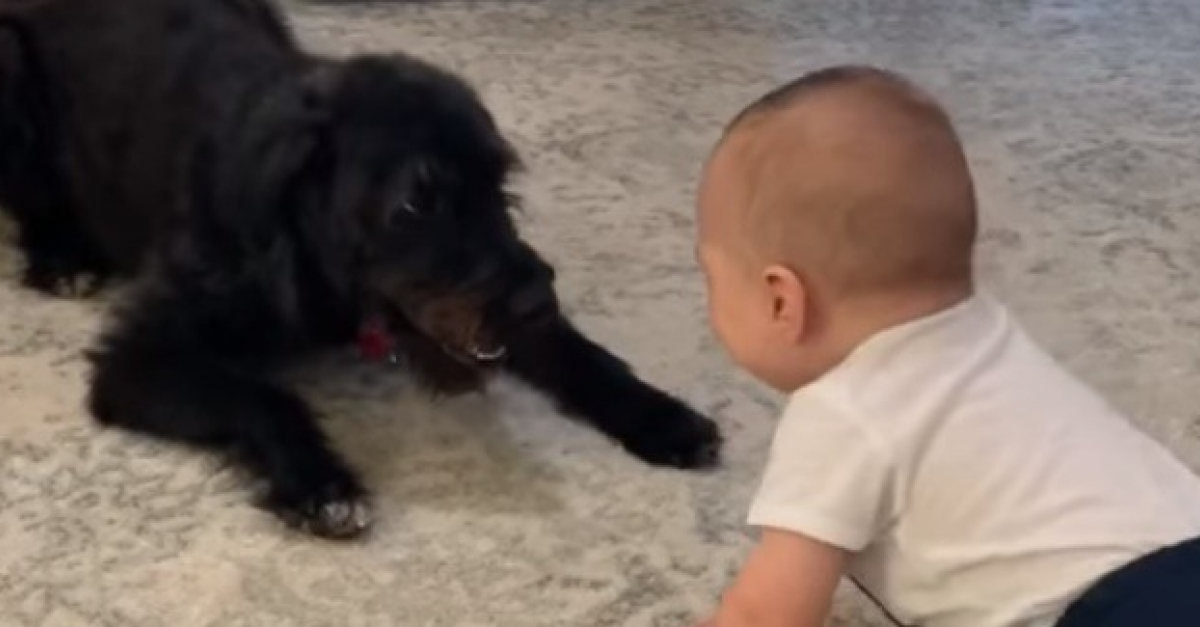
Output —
<point x="929" y="450"/>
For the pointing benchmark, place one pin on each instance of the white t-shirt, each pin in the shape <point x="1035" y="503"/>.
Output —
<point x="977" y="483"/>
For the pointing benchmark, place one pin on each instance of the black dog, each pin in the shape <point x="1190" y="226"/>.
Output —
<point x="271" y="203"/>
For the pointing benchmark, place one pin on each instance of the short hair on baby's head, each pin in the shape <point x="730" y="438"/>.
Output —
<point x="857" y="178"/>
<point x="788" y="92"/>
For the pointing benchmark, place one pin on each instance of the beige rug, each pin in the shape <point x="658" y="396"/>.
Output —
<point x="1082" y="119"/>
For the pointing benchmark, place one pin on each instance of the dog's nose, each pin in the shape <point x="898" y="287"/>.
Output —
<point x="533" y="304"/>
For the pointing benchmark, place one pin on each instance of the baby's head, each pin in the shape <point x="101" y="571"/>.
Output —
<point x="834" y="207"/>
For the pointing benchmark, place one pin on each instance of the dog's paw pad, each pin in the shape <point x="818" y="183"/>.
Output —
<point x="78" y="286"/>
<point x="62" y="280"/>
<point x="342" y="519"/>
<point x="338" y="509"/>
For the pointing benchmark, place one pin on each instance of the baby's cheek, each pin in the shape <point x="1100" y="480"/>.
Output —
<point x="729" y="332"/>
<point x="716" y="320"/>
<point x="710" y="301"/>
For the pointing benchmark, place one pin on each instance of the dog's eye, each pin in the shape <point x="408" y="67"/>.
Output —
<point x="403" y="210"/>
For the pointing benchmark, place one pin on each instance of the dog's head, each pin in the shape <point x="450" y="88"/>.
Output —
<point x="404" y="174"/>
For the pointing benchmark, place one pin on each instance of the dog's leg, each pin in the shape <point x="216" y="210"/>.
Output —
<point x="152" y="385"/>
<point x="60" y="258"/>
<point x="589" y="382"/>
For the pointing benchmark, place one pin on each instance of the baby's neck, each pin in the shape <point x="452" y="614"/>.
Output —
<point x="854" y="320"/>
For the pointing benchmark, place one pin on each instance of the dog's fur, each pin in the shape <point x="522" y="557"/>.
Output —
<point x="270" y="203"/>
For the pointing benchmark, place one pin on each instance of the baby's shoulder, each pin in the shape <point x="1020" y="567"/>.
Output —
<point x="1002" y="391"/>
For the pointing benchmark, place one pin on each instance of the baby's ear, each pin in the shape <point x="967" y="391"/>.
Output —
<point x="790" y="300"/>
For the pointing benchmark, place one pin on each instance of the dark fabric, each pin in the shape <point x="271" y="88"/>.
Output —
<point x="1161" y="589"/>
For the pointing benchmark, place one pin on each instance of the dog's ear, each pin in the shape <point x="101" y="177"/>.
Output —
<point x="281" y="180"/>
<point x="331" y="233"/>
<point x="10" y="75"/>
<point x="319" y="83"/>
<point x="265" y="153"/>
<point x="15" y="77"/>
<point x="252" y="178"/>
<point x="11" y="56"/>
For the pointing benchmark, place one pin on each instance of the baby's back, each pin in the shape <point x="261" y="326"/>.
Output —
<point x="1016" y="486"/>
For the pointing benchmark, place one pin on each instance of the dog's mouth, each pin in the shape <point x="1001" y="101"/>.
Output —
<point x="478" y="350"/>
<point x="383" y="338"/>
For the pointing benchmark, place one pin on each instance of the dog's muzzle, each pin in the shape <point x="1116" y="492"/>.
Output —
<point x="530" y="307"/>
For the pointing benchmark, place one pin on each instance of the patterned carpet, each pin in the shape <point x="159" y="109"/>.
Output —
<point x="1083" y="123"/>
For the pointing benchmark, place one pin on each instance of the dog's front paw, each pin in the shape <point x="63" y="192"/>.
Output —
<point x="338" y="510"/>
<point x="64" y="277"/>
<point x="671" y="434"/>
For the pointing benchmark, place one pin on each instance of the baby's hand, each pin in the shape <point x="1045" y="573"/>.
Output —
<point x="789" y="580"/>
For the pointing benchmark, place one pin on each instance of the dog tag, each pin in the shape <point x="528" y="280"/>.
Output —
<point x="374" y="342"/>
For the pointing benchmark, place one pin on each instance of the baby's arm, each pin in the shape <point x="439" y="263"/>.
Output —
<point x="789" y="581"/>
<point x="826" y="493"/>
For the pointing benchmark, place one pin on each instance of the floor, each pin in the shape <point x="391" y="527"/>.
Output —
<point x="1083" y="123"/>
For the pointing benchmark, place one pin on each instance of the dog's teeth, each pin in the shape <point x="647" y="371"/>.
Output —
<point x="493" y="355"/>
